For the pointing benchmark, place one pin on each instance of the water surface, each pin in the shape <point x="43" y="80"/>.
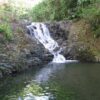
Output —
<point x="74" y="81"/>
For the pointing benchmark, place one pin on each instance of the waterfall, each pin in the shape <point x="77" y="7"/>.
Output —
<point x="40" y="32"/>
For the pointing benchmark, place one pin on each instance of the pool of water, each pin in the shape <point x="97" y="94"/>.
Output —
<point x="73" y="81"/>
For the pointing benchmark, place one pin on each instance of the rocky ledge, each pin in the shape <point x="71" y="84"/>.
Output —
<point x="21" y="52"/>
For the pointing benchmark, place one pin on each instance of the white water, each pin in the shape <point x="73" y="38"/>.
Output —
<point x="42" y="34"/>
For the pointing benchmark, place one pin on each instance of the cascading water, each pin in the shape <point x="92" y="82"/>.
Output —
<point x="42" y="34"/>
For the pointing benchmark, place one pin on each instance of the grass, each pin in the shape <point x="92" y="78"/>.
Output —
<point x="6" y="30"/>
<point x="8" y="15"/>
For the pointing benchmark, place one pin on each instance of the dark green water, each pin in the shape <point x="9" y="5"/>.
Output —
<point x="76" y="81"/>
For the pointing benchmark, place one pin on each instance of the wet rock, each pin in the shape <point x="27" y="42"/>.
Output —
<point x="5" y="68"/>
<point x="60" y="32"/>
<point x="68" y="39"/>
<point x="34" y="61"/>
<point x="1" y="74"/>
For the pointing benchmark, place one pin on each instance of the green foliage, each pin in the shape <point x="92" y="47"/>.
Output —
<point x="81" y="5"/>
<point x="53" y="10"/>
<point x="59" y="9"/>
<point x="6" y="29"/>
<point x="1" y="29"/>
<point x="84" y="2"/>
<point x="92" y="15"/>
<point x="15" y="12"/>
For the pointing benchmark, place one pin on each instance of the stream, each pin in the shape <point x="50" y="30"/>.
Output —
<point x="70" y="81"/>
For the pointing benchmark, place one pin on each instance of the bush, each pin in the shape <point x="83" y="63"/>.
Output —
<point x="53" y="10"/>
<point x="59" y="9"/>
<point x="6" y="29"/>
<point x="92" y="14"/>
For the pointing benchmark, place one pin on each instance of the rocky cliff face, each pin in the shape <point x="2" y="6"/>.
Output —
<point x="22" y="52"/>
<point x="69" y="37"/>
<point x="60" y="31"/>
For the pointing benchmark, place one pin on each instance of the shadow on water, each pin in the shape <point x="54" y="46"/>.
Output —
<point x="71" y="81"/>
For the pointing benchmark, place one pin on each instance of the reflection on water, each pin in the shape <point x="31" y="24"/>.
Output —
<point x="44" y="74"/>
<point x="30" y="96"/>
<point x="34" y="91"/>
<point x="75" y="81"/>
